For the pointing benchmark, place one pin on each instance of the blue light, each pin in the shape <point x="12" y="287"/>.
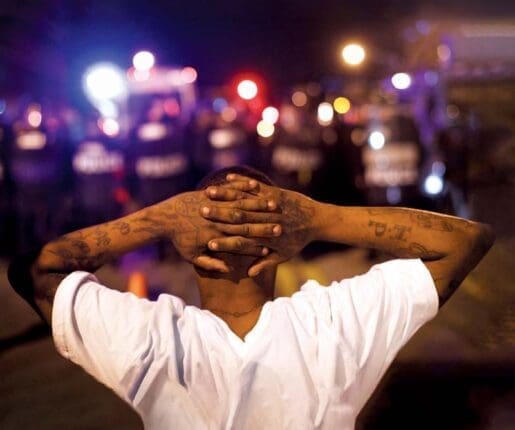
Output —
<point x="219" y="104"/>
<point x="433" y="184"/>
<point x="423" y="27"/>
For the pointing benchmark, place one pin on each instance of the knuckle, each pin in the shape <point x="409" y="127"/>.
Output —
<point x="246" y="230"/>
<point x="235" y="215"/>
<point x="238" y="243"/>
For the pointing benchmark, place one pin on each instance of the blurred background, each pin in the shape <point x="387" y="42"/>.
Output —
<point x="106" y="107"/>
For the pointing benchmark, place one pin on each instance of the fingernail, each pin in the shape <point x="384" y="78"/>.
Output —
<point x="277" y="230"/>
<point x="230" y="176"/>
<point x="264" y="251"/>
<point x="271" y="204"/>
<point x="205" y="210"/>
<point x="252" y="183"/>
<point x="212" y="192"/>
<point x="213" y="245"/>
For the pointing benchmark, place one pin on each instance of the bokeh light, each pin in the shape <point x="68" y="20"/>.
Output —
<point x="299" y="98"/>
<point x="34" y="117"/>
<point x="143" y="61"/>
<point x="270" y="114"/>
<point x="229" y="114"/>
<point x="104" y="81"/>
<point x="353" y="54"/>
<point x="219" y="104"/>
<point x="433" y="184"/>
<point x="265" y="129"/>
<point x="401" y="81"/>
<point x="110" y="127"/>
<point x="188" y="75"/>
<point x="325" y="113"/>
<point x="443" y="52"/>
<point x="247" y="89"/>
<point x="341" y="105"/>
<point x="376" y="140"/>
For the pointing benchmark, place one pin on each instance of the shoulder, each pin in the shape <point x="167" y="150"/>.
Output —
<point x="397" y="281"/>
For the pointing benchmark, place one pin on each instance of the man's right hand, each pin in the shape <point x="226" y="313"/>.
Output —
<point x="297" y="219"/>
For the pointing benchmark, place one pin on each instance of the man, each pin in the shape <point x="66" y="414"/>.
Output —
<point x="244" y="360"/>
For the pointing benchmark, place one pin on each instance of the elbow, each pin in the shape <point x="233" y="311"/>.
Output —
<point x="483" y="237"/>
<point x="19" y="275"/>
<point x="487" y="237"/>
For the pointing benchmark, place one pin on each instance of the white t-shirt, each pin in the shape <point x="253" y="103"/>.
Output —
<point x="311" y="361"/>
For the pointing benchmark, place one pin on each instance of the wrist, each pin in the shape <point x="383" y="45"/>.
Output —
<point x="321" y="219"/>
<point x="327" y="216"/>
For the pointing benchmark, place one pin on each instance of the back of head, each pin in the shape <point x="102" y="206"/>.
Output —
<point x="218" y="177"/>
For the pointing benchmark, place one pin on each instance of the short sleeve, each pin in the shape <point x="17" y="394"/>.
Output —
<point x="108" y="333"/>
<point x="375" y="314"/>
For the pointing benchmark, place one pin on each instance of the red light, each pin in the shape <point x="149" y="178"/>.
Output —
<point x="171" y="107"/>
<point x="121" y="195"/>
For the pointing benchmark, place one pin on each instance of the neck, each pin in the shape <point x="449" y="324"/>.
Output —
<point x="236" y="301"/>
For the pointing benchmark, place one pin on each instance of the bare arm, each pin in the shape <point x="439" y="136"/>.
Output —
<point x="449" y="246"/>
<point x="178" y="219"/>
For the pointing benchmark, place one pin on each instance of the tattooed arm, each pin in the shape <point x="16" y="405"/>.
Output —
<point x="449" y="246"/>
<point x="178" y="219"/>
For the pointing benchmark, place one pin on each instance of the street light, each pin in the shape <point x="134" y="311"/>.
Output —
<point x="353" y="54"/>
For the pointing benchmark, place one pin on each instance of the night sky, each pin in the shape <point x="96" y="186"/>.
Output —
<point x="285" y="41"/>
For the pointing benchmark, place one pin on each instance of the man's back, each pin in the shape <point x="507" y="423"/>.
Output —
<point x="311" y="361"/>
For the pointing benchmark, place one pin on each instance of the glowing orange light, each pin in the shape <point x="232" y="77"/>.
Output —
<point x="299" y="98"/>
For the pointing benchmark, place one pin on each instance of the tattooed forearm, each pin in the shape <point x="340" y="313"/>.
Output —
<point x="101" y="237"/>
<point x="397" y="232"/>
<point x="92" y="247"/>
<point x="417" y="250"/>
<point x="431" y="221"/>
<point x="123" y="227"/>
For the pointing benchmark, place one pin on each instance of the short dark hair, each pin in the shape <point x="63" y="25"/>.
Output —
<point x="219" y="177"/>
